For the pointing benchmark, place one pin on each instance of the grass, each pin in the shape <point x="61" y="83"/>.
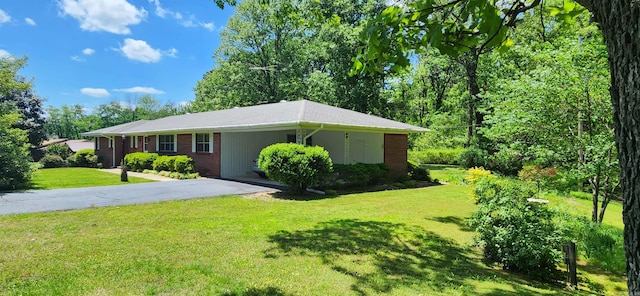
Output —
<point x="452" y="174"/>
<point x="77" y="177"/>
<point x="404" y="242"/>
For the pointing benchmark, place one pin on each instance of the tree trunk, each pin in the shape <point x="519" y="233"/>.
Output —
<point x="620" y="27"/>
<point x="474" y="118"/>
<point x="595" y="195"/>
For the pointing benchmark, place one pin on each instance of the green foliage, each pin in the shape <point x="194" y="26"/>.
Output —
<point x="436" y="156"/>
<point x="601" y="245"/>
<point x="84" y="158"/>
<point x="473" y="157"/>
<point x="506" y="161"/>
<point x="295" y="165"/>
<point x="519" y="235"/>
<point x="52" y="161"/>
<point x="183" y="164"/>
<point x="358" y="174"/>
<point x="15" y="168"/>
<point x="59" y="150"/>
<point x="418" y="173"/>
<point x="164" y="163"/>
<point x="140" y="161"/>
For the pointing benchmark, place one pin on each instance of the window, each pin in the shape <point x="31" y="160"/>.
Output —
<point x="166" y="143"/>
<point x="145" y="145"/>
<point x="203" y="143"/>
<point x="134" y="141"/>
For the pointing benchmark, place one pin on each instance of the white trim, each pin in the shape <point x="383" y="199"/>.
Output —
<point x="175" y="142"/>
<point x="97" y="143"/>
<point x="210" y="142"/>
<point x="193" y="142"/>
<point x="157" y="143"/>
<point x="110" y="145"/>
<point x="145" y="143"/>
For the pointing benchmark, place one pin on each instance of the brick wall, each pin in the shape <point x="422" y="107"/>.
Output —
<point x="395" y="154"/>
<point x="105" y="154"/>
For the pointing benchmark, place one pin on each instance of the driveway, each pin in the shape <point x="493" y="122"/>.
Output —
<point x="34" y="201"/>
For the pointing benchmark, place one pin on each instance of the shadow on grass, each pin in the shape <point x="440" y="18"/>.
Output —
<point x="461" y="223"/>
<point x="382" y="256"/>
<point x="268" y="291"/>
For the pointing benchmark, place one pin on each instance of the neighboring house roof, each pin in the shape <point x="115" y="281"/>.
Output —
<point x="76" y="145"/>
<point x="48" y="142"/>
<point x="303" y="114"/>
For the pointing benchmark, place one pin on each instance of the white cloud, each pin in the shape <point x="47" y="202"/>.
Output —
<point x="4" y="17"/>
<point x="208" y="26"/>
<point x="95" y="92"/>
<point x="114" y="16"/>
<point x="171" y="52"/>
<point x="4" y="53"/>
<point x="139" y="50"/>
<point x="77" y="58"/>
<point x="88" y="51"/>
<point x="29" y="21"/>
<point x="141" y="89"/>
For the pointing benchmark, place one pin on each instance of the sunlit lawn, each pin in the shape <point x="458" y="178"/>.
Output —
<point x="77" y="177"/>
<point x="405" y="242"/>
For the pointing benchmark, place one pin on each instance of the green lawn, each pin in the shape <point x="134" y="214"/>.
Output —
<point x="451" y="174"/>
<point x="405" y="242"/>
<point x="77" y="177"/>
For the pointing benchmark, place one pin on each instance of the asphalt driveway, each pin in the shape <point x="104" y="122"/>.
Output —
<point x="34" y="201"/>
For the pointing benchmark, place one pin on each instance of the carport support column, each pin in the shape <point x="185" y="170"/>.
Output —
<point x="300" y="136"/>
<point x="346" y="148"/>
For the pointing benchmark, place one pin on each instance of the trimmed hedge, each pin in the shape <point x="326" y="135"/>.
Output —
<point x="436" y="156"/>
<point x="164" y="163"/>
<point x="52" y="161"/>
<point x="183" y="164"/>
<point x="140" y="161"/>
<point x="298" y="166"/>
<point x="84" y="158"/>
<point x="359" y="174"/>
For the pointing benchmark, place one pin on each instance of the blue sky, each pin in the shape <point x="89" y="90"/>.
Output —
<point x="90" y="52"/>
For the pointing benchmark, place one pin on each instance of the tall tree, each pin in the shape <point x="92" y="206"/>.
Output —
<point x="413" y="27"/>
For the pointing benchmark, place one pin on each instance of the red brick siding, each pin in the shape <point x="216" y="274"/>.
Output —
<point x="395" y="154"/>
<point x="105" y="154"/>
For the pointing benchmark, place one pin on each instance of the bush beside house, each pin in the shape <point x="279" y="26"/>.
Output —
<point x="295" y="165"/>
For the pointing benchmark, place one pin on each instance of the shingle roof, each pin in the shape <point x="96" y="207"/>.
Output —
<point x="293" y="114"/>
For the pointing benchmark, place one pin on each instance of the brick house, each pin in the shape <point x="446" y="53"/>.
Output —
<point x="224" y="143"/>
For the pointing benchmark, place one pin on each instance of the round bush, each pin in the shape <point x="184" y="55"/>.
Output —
<point x="506" y="161"/>
<point x="519" y="235"/>
<point x="52" y="161"/>
<point x="59" y="149"/>
<point x="164" y="163"/>
<point x="84" y="158"/>
<point x="183" y="164"/>
<point x="140" y="161"/>
<point x="473" y="157"/>
<point x="295" y="165"/>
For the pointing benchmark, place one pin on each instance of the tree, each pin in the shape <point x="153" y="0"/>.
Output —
<point x="15" y="169"/>
<point x="413" y="28"/>
<point x="20" y="94"/>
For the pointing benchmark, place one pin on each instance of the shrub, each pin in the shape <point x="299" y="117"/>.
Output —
<point x="164" y="163"/>
<point x="473" y="157"/>
<point x="474" y="175"/>
<point x="183" y="164"/>
<point x="296" y="165"/>
<point x="52" y="161"/>
<point x="140" y="161"/>
<point x="601" y="245"/>
<point x="417" y="173"/>
<point x="359" y="174"/>
<point x="84" y="158"/>
<point x="506" y="161"/>
<point x="60" y="150"/>
<point x="519" y="235"/>
<point x="436" y="156"/>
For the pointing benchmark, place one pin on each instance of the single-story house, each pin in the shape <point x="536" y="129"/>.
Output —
<point x="224" y="143"/>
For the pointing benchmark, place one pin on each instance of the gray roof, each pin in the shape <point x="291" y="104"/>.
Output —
<point x="276" y="116"/>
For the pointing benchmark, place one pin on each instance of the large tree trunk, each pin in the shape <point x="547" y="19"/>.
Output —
<point x="474" y="117"/>
<point x="619" y="22"/>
